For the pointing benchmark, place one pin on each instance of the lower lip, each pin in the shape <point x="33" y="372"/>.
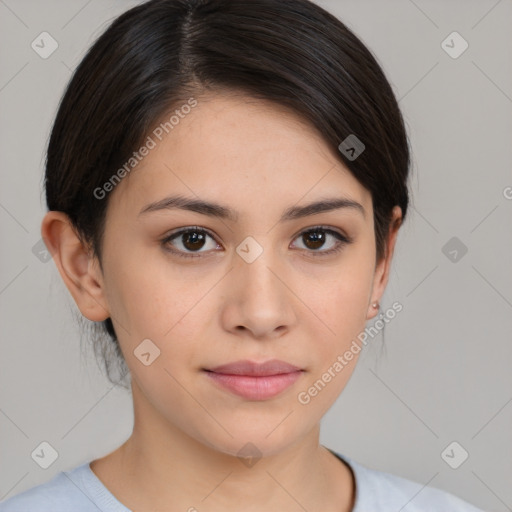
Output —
<point x="255" y="388"/>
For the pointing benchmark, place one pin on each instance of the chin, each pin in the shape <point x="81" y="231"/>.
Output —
<point x="255" y="440"/>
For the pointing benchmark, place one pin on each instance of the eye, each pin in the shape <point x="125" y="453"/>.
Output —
<point x="189" y="239"/>
<point x="189" y="242"/>
<point x="315" y="238"/>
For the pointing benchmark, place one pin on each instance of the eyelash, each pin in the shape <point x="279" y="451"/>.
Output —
<point x="342" y="241"/>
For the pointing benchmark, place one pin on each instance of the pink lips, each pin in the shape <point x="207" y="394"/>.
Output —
<point x="255" y="381"/>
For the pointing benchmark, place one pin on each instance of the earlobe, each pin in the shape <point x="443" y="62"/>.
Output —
<point x="77" y="267"/>
<point x="382" y="270"/>
<point x="373" y="309"/>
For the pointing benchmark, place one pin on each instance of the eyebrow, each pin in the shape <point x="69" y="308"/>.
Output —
<point x="223" y="212"/>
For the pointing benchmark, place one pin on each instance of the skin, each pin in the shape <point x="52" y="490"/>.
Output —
<point x="290" y="304"/>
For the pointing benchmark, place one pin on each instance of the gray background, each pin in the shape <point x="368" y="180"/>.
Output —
<point x="444" y="372"/>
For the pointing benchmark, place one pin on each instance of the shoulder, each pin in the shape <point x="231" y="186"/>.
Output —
<point x="63" y="493"/>
<point x="379" y="491"/>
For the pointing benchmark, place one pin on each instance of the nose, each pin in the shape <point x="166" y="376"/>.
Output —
<point x="258" y="300"/>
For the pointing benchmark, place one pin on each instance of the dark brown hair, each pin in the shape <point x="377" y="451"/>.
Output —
<point x="155" y="56"/>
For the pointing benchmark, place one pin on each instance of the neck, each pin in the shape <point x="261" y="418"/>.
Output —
<point x="161" y="465"/>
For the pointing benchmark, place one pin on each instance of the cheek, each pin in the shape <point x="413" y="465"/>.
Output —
<point x="335" y="348"/>
<point x="342" y="305"/>
<point x="344" y="295"/>
<point x="147" y="293"/>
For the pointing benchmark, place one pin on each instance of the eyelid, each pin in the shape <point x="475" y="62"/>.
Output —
<point x="327" y="229"/>
<point x="342" y="240"/>
<point x="186" y="229"/>
<point x="180" y="231"/>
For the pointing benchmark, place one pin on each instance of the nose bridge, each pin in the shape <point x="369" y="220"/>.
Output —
<point x="255" y="270"/>
<point x="260" y="301"/>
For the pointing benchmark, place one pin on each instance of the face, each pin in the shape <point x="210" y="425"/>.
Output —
<point x="257" y="278"/>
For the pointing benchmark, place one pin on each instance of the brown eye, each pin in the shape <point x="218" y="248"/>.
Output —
<point x="192" y="240"/>
<point x="188" y="241"/>
<point x="316" y="238"/>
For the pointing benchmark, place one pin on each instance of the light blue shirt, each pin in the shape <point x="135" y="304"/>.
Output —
<point x="80" y="490"/>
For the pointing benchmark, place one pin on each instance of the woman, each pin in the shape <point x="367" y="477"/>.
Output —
<point x="225" y="183"/>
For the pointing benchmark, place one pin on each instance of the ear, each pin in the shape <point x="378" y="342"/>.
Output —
<point x="383" y="266"/>
<point x="79" y="270"/>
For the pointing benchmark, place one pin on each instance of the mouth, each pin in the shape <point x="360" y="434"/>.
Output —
<point x="255" y="381"/>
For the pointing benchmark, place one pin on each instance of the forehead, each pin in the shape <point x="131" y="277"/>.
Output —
<point x="242" y="150"/>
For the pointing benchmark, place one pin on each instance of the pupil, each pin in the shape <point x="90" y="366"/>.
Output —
<point x="316" y="238"/>
<point x="193" y="239"/>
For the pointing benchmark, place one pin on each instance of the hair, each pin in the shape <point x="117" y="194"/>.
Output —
<point x="156" y="55"/>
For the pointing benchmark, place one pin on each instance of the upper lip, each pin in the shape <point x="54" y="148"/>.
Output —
<point x="271" y="367"/>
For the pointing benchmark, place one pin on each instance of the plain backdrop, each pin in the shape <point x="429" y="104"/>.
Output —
<point x="442" y="372"/>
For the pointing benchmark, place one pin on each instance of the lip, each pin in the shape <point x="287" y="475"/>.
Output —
<point x="255" y="381"/>
<point x="271" y="367"/>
